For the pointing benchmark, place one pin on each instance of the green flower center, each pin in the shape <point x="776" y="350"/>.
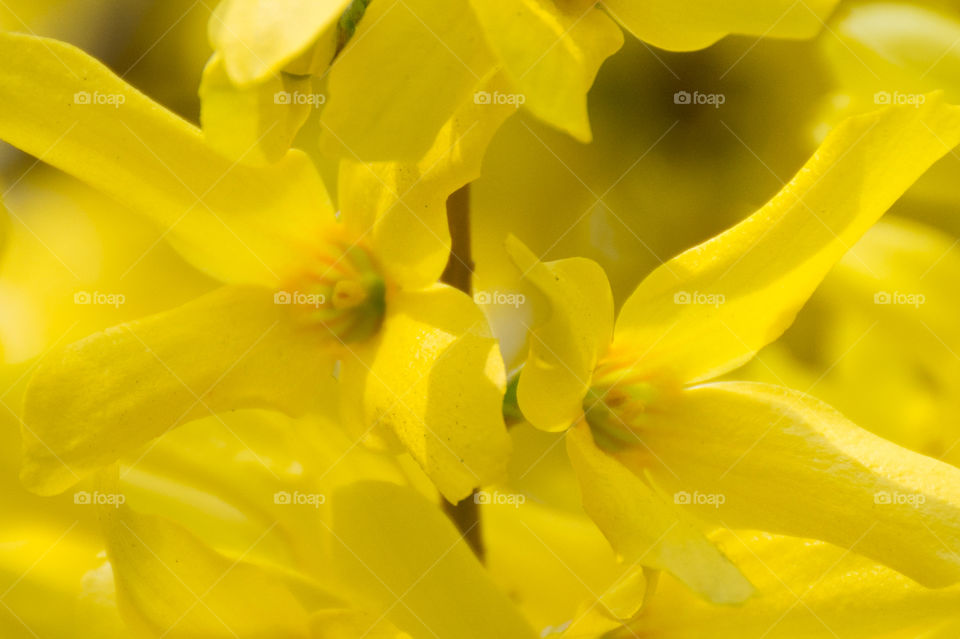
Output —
<point x="614" y="412"/>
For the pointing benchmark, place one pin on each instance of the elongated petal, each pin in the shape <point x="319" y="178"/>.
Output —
<point x="423" y="561"/>
<point x="407" y="69"/>
<point x="405" y="204"/>
<point x="564" y="349"/>
<point x="238" y="223"/>
<point x="44" y="565"/>
<point x="254" y="125"/>
<point x="711" y="308"/>
<point x="104" y="396"/>
<point x="349" y="624"/>
<point x="550" y="56"/>
<point x="170" y="584"/>
<point x="259" y="37"/>
<point x="907" y="48"/>
<point x="552" y="561"/>
<point x="698" y="24"/>
<point x="806" y="590"/>
<point x="778" y="460"/>
<point x="645" y="529"/>
<point x="435" y="377"/>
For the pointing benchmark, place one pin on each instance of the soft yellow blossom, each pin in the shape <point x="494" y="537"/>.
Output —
<point x="659" y="429"/>
<point x="301" y="290"/>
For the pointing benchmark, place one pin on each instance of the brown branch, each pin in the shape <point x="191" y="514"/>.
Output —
<point x="459" y="274"/>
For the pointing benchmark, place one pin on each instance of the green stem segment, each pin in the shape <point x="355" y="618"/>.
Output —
<point x="459" y="274"/>
<point x="348" y="22"/>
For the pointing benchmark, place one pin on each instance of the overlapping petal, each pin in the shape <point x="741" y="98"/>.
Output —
<point x="393" y="544"/>
<point x="564" y="349"/>
<point x="435" y="378"/>
<point x="348" y="624"/>
<point x="257" y="38"/>
<point x="252" y="125"/>
<point x="238" y="223"/>
<point x="551" y="561"/>
<point x="404" y="205"/>
<point x="170" y="584"/>
<point x="410" y="65"/>
<point x="881" y="49"/>
<point x="711" y="308"/>
<point x="784" y="462"/>
<point x="698" y="24"/>
<point x="95" y="400"/>
<point x="806" y="590"/>
<point x="550" y="55"/>
<point x="645" y="529"/>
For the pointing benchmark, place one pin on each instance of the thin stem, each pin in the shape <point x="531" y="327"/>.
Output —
<point x="459" y="270"/>
<point x="459" y="274"/>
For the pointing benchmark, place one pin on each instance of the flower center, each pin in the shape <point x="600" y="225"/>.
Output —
<point x="341" y="290"/>
<point x="619" y="403"/>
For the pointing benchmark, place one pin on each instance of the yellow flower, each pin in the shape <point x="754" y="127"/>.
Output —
<point x="206" y="502"/>
<point x="736" y="453"/>
<point x="410" y="64"/>
<point x="805" y="590"/>
<point x="302" y="289"/>
<point x="253" y="525"/>
<point x="405" y="71"/>
<point x="890" y="53"/>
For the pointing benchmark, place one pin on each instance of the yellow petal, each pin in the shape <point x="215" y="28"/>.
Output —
<point x="435" y="377"/>
<point x="253" y="125"/>
<point x="442" y="589"/>
<point x="711" y="308"/>
<point x="881" y="49"/>
<point x="404" y="205"/>
<point x="900" y="345"/>
<point x="647" y="530"/>
<point x="350" y="624"/>
<point x="552" y="561"/>
<point x="698" y="24"/>
<point x="564" y="349"/>
<point x="551" y="57"/>
<point x="241" y="224"/>
<point x="765" y="457"/>
<point x="104" y="396"/>
<point x="806" y="590"/>
<point x="171" y="584"/>
<point x="44" y="565"/>
<point x="259" y="37"/>
<point x="406" y="70"/>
